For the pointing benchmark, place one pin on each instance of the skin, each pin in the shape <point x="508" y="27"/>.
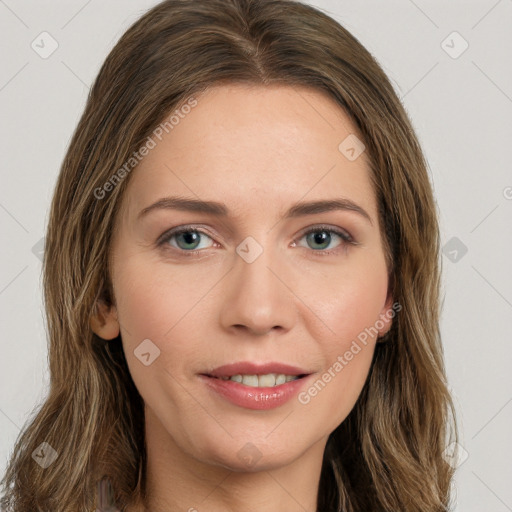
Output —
<point x="258" y="150"/>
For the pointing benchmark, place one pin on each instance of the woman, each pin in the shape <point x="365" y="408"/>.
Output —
<point x="205" y="352"/>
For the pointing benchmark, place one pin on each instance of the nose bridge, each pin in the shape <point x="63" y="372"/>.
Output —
<point x="253" y="264"/>
<point x="257" y="298"/>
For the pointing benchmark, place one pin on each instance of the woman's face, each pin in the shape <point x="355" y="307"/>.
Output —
<point x="246" y="283"/>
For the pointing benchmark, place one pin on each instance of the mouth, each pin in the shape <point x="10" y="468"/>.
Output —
<point x="258" y="375"/>
<point x="256" y="386"/>
<point x="266" y="380"/>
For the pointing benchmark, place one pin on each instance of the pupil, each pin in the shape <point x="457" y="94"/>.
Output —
<point x="321" y="237"/>
<point x="190" y="237"/>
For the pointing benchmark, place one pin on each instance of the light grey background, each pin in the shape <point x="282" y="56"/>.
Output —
<point x="460" y="105"/>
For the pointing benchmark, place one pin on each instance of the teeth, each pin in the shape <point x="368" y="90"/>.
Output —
<point x="262" y="381"/>
<point x="280" y="379"/>
<point x="250" y="380"/>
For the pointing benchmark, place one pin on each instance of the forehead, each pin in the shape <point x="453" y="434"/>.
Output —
<point x="247" y="144"/>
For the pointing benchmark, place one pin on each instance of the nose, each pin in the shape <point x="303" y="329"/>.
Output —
<point x="258" y="297"/>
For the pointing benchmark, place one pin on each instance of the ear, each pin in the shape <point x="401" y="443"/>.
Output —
<point x="103" y="321"/>
<point x="386" y="317"/>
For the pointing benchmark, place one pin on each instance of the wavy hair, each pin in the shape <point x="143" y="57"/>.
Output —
<point x="387" y="455"/>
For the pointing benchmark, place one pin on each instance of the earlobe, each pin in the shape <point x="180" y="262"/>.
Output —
<point x="385" y="319"/>
<point x="103" y="321"/>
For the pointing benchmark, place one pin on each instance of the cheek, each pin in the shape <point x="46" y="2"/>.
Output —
<point x="350" y="305"/>
<point x="154" y="303"/>
<point x="152" y="299"/>
<point x="350" y="309"/>
<point x="349" y="302"/>
<point x="334" y="392"/>
<point x="152" y="307"/>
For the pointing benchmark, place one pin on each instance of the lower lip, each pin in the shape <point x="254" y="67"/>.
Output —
<point x="253" y="397"/>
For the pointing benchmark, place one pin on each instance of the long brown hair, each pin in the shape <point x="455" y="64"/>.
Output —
<point x="388" y="453"/>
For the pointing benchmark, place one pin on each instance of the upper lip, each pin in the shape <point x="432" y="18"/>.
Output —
<point x="250" y="368"/>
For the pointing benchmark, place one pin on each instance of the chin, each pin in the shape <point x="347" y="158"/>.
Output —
<point x="250" y="457"/>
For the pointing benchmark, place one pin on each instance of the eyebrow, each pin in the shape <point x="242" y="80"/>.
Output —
<point x="221" y="210"/>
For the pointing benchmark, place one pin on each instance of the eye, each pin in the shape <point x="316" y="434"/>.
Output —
<point x="189" y="239"/>
<point x="320" y="238"/>
<point x="185" y="238"/>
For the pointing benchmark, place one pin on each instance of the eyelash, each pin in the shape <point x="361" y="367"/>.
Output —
<point x="346" y="239"/>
